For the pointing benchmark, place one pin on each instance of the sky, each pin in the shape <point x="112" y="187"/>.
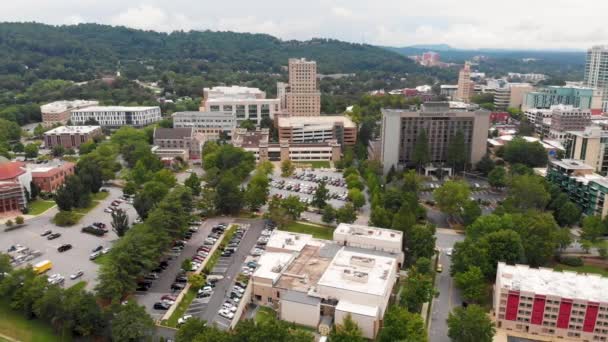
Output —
<point x="513" y="24"/>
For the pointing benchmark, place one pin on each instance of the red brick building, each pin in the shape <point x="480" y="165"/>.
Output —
<point x="49" y="179"/>
<point x="499" y="117"/>
<point x="70" y="136"/>
<point x="12" y="193"/>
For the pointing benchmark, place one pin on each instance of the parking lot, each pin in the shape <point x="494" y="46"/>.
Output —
<point x="76" y="258"/>
<point x="228" y="268"/>
<point x="284" y="186"/>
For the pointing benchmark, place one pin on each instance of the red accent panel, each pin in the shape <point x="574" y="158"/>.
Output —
<point x="590" y="317"/>
<point x="512" y="306"/>
<point x="538" y="310"/>
<point x="563" y="319"/>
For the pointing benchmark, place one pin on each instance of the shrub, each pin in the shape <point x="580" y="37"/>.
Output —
<point x="19" y="220"/>
<point x="9" y="223"/>
<point x="65" y="218"/>
<point x="571" y="261"/>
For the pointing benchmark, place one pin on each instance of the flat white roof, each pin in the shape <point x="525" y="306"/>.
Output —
<point x="232" y="90"/>
<point x="546" y="281"/>
<point x="271" y="264"/>
<point x="115" y="108"/>
<point x="288" y="241"/>
<point x="315" y="120"/>
<point x="372" y="279"/>
<point x="229" y="99"/>
<point x="62" y="106"/>
<point x="357" y="309"/>
<point x="72" y="129"/>
<point x="370" y="232"/>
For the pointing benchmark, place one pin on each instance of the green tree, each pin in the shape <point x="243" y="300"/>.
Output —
<point x="132" y="323"/>
<point x="485" y="165"/>
<point x="402" y="325"/>
<point x="347" y="331"/>
<point x="58" y="151"/>
<point x="519" y="150"/>
<point x="472" y="284"/>
<point x="248" y="125"/>
<point x="321" y="196"/>
<point x="346" y="214"/>
<point x="196" y="281"/>
<point x="5" y="265"/>
<point x="194" y="183"/>
<point x="502" y="246"/>
<point x="411" y="182"/>
<point x="423" y="265"/>
<point x="329" y="214"/>
<point x="87" y="147"/>
<point x="592" y="228"/>
<point x="120" y="222"/>
<point x="568" y="214"/>
<point x="190" y="330"/>
<point x="38" y="131"/>
<point x="528" y="192"/>
<point x="420" y="242"/>
<point x="287" y="168"/>
<point x="417" y="289"/>
<point x="166" y="177"/>
<point x="470" y="212"/>
<point x="31" y="151"/>
<point x="381" y="217"/>
<point x="498" y="177"/>
<point x="72" y="194"/>
<point x="421" y="155"/>
<point x="470" y="325"/>
<point x="256" y="196"/>
<point x="452" y="196"/>
<point x="148" y="197"/>
<point x="457" y="153"/>
<point x="293" y="206"/>
<point x="356" y="197"/>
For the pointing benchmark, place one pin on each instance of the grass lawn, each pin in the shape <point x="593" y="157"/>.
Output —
<point x="181" y="308"/>
<point x="39" y="206"/>
<point x="582" y="269"/>
<point x="95" y="199"/>
<point x="265" y="314"/>
<point x="102" y="259"/>
<point x="315" y="164"/>
<point x="14" y="325"/>
<point x="319" y="232"/>
<point x="79" y="285"/>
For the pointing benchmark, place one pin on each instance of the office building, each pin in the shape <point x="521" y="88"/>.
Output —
<point x="117" y="116"/>
<point x="315" y="282"/>
<point x="576" y="96"/>
<point x="71" y="136"/>
<point x="59" y="112"/>
<point x="511" y="95"/>
<point x="242" y="102"/>
<point x="596" y="72"/>
<point x="567" y="118"/>
<point x="178" y="141"/>
<point x="400" y="130"/>
<point x="49" y="178"/>
<point x="205" y="122"/>
<point x="589" y="146"/>
<point x="466" y="87"/>
<point x="257" y="142"/>
<point x="558" y="305"/>
<point x="303" y="98"/>
<point x="449" y="91"/>
<point x="305" y="129"/>
<point x="584" y="187"/>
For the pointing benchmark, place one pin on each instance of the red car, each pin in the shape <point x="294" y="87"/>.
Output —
<point x="168" y="297"/>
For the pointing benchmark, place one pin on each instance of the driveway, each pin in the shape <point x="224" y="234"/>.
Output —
<point x="449" y="296"/>
<point x="76" y="258"/>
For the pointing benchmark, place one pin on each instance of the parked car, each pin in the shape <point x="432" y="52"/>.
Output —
<point x="161" y="306"/>
<point x="46" y="232"/>
<point x="77" y="275"/>
<point x="64" y="247"/>
<point x="226" y="313"/>
<point x="94" y="256"/>
<point x="97" y="249"/>
<point x="53" y="236"/>
<point x="183" y="319"/>
<point x="168" y="297"/>
<point x="177" y="286"/>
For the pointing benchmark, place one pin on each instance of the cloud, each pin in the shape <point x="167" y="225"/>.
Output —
<point x="148" y="17"/>
<point x="342" y="12"/>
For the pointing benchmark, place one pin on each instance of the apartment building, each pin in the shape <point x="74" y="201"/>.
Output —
<point x="242" y="102"/>
<point x="71" y="136"/>
<point x="205" y="122"/>
<point x="117" y="116"/>
<point x="466" y="87"/>
<point x="584" y="187"/>
<point x="576" y="96"/>
<point x="302" y="96"/>
<point x="257" y="142"/>
<point x="589" y="146"/>
<point x="400" y="130"/>
<point x="567" y="118"/>
<point x="559" y="305"/>
<point x="59" y="112"/>
<point x="313" y="282"/>
<point x="304" y="129"/>
<point x="596" y="71"/>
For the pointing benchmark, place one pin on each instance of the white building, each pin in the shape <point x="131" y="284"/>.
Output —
<point x="205" y="122"/>
<point x="303" y="129"/>
<point x="381" y="239"/>
<point x="242" y="102"/>
<point x="117" y="116"/>
<point x="596" y="71"/>
<point x="59" y="111"/>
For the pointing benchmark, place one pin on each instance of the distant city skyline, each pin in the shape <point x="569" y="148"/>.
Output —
<point x="466" y="24"/>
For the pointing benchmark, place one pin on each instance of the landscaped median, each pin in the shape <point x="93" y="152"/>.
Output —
<point x="188" y="294"/>
<point x="72" y="217"/>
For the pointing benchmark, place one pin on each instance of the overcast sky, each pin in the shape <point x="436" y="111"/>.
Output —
<point x="535" y="24"/>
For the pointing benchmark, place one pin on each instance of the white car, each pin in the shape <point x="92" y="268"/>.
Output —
<point x="229" y="307"/>
<point x="108" y="210"/>
<point x="170" y="302"/>
<point x="183" y="319"/>
<point x="449" y="251"/>
<point x="238" y="289"/>
<point x="226" y="314"/>
<point x="76" y="275"/>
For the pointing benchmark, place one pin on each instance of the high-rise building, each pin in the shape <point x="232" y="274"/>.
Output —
<point x="303" y="97"/>
<point x="466" y="87"/>
<point x="560" y="305"/>
<point x="400" y="130"/>
<point x="567" y="118"/>
<point x="579" y="97"/>
<point x="511" y="95"/>
<point x="590" y="146"/>
<point x="596" y="71"/>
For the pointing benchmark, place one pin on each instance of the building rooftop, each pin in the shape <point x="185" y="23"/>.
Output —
<point x="316" y="120"/>
<point x="232" y="93"/>
<point x="271" y="264"/>
<point x="245" y="139"/>
<point x="364" y="310"/>
<point x="115" y="108"/>
<point x="546" y="281"/>
<point x="359" y="272"/>
<point x="374" y="233"/>
<point x="72" y="130"/>
<point x="288" y="241"/>
<point x="300" y="297"/>
<point x="172" y="133"/>
<point x="62" y="106"/>
<point x="53" y="167"/>
<point x="305" y="270"/>
<point x="572" y="164"/>
<point x="203" y="114"/>
<point x="10" y="170"/>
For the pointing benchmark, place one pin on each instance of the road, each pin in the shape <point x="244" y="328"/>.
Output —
<point x="449" y="296"/>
